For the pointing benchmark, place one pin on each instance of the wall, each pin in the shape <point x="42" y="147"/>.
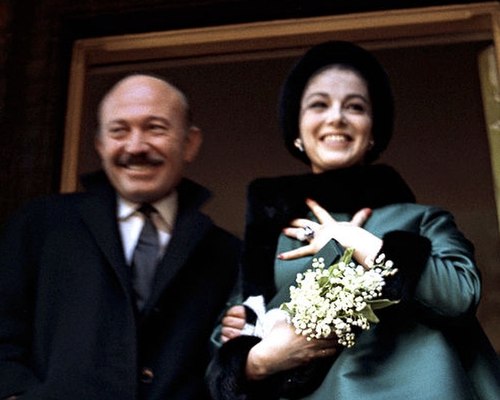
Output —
<point x="39" y="36"/>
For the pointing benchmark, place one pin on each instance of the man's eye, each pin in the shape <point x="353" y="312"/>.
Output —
<point x="117" y="130"/>
<point x="158" y="129"/>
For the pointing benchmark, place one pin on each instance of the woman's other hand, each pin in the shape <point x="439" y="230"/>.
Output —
<point x="348" y="234"/>
<point x="282" y="349"/>
<point x="233" y="323"/>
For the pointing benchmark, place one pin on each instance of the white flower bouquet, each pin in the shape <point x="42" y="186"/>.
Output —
<point x="338" y="300"/>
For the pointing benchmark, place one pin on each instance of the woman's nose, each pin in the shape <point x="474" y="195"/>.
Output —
<point x="335" y="114"/>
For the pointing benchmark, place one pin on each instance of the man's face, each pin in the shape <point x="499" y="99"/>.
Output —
<point x="144" y="140"/>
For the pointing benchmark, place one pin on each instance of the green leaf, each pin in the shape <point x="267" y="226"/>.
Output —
<point x="285" y="308"/>
<point x="323" y="281"/>
<point x="368" y="313"/>
<point x="382" y="303"/>
<point x="347" y="256"/>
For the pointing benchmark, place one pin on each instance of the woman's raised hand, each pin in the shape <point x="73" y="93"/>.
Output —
<point x="348" y="234"/>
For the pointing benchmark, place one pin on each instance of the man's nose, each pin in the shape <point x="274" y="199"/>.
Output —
<point x="137" y="142"/>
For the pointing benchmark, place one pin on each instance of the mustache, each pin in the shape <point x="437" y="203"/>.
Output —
<point x="125" y="160"/>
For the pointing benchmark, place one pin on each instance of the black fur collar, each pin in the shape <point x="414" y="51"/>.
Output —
<point x="346" y="190"/>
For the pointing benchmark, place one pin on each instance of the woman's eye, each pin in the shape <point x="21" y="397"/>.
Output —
<point x="317" y="104"/>
<point x="357" y="107"/>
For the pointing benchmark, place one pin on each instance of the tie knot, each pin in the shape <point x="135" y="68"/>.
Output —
<point x="146" y="209"/>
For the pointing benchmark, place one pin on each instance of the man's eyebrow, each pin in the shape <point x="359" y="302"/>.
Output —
<point x="151" y="118"/>
<point x="158" y="118"/>
<point x="116" y="121"/>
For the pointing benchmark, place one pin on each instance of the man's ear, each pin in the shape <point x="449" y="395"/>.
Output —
<point x="194" y="139"/>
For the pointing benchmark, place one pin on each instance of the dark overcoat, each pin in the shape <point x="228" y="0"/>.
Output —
<point x="68" y="329"/>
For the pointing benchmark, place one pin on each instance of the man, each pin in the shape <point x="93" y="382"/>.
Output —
<point x="78" y="318"/>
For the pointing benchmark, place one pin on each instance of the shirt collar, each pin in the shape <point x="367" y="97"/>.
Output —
<point x="166" y="207"/>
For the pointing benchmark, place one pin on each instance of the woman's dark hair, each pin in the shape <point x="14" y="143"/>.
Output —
<point x="348" y="56"/>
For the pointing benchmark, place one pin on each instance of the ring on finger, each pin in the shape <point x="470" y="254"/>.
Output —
<point x="308" y="232"/>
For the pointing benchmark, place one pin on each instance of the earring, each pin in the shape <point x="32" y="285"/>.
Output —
<point x="298" y="144"/>
<point x="371" y="143"/>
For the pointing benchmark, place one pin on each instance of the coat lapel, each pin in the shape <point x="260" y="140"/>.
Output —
<point x="99" y="214"/>
<point x="190" y="228"/>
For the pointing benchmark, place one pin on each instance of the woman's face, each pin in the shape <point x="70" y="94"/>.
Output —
<point x="336" y="119"/>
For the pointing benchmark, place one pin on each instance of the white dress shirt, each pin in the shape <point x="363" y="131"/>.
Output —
<point x="131" y="222"/>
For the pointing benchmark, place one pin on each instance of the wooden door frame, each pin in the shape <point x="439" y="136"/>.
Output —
<point x="373" y="30"/>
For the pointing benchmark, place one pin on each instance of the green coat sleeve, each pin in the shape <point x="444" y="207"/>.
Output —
<point x="450" y="283"/>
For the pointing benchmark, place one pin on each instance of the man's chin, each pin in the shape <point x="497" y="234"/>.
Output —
<point x="140" y="196"/>
<point x="143" y="195"/>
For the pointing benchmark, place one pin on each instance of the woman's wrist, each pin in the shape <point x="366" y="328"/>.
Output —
<point x="255" y="369"/>
<point x="373" y="249"/>
<point x="366" y="254"/>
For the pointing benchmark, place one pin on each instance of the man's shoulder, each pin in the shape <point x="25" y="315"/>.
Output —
<point x="53" y="205"/>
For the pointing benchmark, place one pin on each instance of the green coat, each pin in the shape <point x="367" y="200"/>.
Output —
<point x="429" y="346"/>
<point x="425" y="350"/>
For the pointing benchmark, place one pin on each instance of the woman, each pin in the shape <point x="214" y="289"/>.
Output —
<point x="337" y="116"/>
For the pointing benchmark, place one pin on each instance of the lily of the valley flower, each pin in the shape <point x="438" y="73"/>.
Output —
<point x="338" y="299"/>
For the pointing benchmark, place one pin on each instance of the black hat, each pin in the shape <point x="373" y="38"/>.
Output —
<point x="355" y="58"/>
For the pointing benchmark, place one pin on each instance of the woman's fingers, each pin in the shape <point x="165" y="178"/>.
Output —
<point x="232" y="323"/>
<point x="305" y="233"/>
<point x="297" y="253"/>
<point x="330" y="349"/>
<point x="229" y="333"/>
<point x="300" y="223"/>
<point x="361" y="217"/>
<point x="234" y="317"/>
<point x="237" y="311"/>
<point x="316" y="234"/>
<point x="320" y="213"/>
